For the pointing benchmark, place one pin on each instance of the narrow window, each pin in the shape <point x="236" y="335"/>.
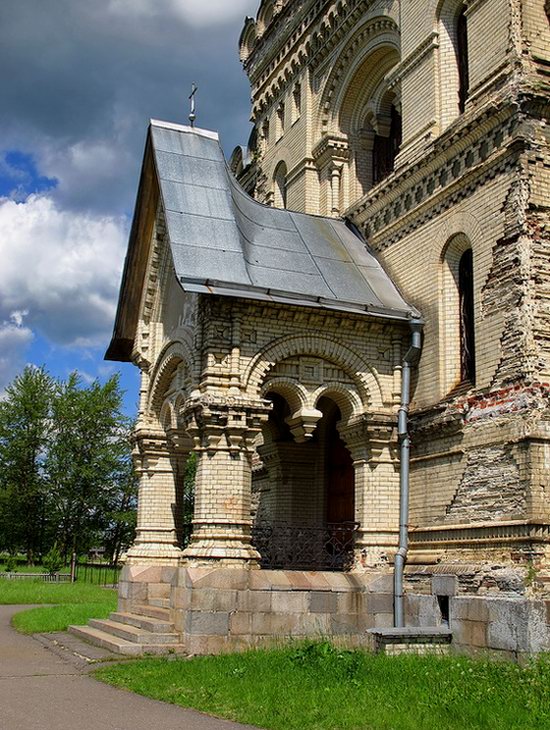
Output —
<point x="466" y="303"/>
<point x="462" y="59"/>
<point x="385" y="149"/>
<point x="296" y="102"/>
<point x="280" y="120"/>
<point x="265" y="132"/>
<point x="280" y="185"/>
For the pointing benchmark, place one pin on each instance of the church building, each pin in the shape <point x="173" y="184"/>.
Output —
<point x="348" y="326"/>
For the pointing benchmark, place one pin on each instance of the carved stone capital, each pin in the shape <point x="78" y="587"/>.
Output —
<point x="369" y="435"/>
<point x="217" y="423"/>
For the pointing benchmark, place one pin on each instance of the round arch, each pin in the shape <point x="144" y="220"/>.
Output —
<point x="363" y="375"/>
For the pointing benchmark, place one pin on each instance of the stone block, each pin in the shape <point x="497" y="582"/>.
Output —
<point x="459" y="609"/>
<point x="158" y="590"/>
<point x="274" y="624"/>
<point x="223" y="579"/>
<point x="444" y="585"/>
<point x="352" y="624"/>
<point x="298" y="580"/>
<point x="240" y="622"/>
<point x="316" y="625"/>
<point x="383" y="620"/>
<point x="477" y="609"/>
<point x="137" y="592"/>
<point x="290" y="601"/>
<point x="123" y="589"/>
<point x="380" y="603"/>
<point x="181" y="597"/>
<point x="254" y="600"/>
<point x="323" y="602"/>
<point x="209" y="599"/>
<point x="207" y="623"/>
<point x="355" y="602"/>
<point x="380" y="584"/>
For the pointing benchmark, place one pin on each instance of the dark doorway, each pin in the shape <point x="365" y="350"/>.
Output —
<point x="339" y="474"/>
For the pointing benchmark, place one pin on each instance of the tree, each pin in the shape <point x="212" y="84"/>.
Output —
<point x="87" y="445"/>
<point x="25" y="424"/>
<point x="120" y="516"/>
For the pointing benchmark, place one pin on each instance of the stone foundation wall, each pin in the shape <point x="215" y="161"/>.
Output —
<point x="228" y="609"/>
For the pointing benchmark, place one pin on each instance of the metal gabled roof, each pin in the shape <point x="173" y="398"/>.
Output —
<point x="226" y="243"/>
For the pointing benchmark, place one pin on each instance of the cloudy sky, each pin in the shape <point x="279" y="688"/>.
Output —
<point x="79" y="82"/>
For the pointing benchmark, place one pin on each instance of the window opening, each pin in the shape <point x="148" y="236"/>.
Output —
<point x="466" y="303"/>
<point x="385" y="149"/>
<point x="462" y="59"/>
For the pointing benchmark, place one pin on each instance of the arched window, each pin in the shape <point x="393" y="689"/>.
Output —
<point x="466" y="303"/>
<point x="385" y="148"/>
<point x="457" y="316"/>
<point x="462" y="58"/>
<point x="453" y="60"/>
<point x="280" y="185"/>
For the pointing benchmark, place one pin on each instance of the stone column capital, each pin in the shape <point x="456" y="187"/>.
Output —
<point x="224" y="423"/>
<point x="368" y="435"/>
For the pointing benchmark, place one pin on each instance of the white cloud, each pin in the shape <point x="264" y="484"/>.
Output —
<point x="61" y="268"/>
<point x="195" y="12"/>
<point x="14" y="341"/>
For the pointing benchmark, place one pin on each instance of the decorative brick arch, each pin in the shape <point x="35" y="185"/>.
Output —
<point x="372" y="35"/>
<point x="345" y="398"/>
<point x="291" y="390"/>
<point x="167" y="362"/>
<point x="362" y="373"/>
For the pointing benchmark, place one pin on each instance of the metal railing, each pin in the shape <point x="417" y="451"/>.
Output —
<point x="303" y="547"/>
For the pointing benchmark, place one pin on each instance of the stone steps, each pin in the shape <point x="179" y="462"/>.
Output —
<point x="145" y="630"/>
<point x="146" y="623"/>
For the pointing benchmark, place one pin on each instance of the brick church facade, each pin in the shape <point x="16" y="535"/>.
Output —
<point x="359" y="352"/>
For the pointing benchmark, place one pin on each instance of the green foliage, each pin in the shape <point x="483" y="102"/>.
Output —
<point x="315" y="686"/>
<point x="65" y="467"/>
<point x="20" y="592"/>
<point x="59" y="618"/>
<point x="10" y="564"/>
<point x="25" y="422"/>
<point x="53" y="560"/>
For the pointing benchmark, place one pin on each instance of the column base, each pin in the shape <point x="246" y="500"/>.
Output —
<point x="153" y="553"/>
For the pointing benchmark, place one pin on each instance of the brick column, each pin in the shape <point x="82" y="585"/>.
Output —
<point x="224" y="432"/>
<point x="160" y="464"/>
<point x="371" y="441"/>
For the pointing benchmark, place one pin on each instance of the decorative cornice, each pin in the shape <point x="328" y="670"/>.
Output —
<point x="484" y="534"/>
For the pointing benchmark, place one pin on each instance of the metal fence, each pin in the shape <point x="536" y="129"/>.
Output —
<point x="101" y="574"/>
<point x="47" y="577"/>
<point x="304" y="547"/>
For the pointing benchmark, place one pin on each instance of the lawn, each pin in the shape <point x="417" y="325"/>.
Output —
<point x="75" y="603"/>
<point x="316" y="687"/>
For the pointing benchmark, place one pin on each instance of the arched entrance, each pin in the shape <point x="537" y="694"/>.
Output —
<point x="305" y="493"/>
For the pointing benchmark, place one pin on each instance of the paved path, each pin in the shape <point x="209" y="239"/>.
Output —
<point x="42" y="690"/>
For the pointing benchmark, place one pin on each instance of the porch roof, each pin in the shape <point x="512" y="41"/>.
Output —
<point x="226" y="243"/>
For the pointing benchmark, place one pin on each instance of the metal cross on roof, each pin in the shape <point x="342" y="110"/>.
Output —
<point x="192" y="115"/>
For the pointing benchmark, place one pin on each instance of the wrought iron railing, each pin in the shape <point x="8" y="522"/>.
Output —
<point x="304" y="547"/>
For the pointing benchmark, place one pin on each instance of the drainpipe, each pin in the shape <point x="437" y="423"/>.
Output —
<point x="410" y="360"/>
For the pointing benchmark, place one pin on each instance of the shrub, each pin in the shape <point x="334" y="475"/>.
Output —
<point x="53" y="561"/>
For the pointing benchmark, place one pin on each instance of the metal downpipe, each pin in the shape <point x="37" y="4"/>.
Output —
<point x="411" y="359"/>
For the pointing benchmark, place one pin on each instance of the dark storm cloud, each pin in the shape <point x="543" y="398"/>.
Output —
<point x="80" y="80"/>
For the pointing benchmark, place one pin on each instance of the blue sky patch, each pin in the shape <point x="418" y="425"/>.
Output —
<point x="19" y="176"/>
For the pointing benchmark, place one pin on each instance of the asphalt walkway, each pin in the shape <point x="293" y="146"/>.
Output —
<point x="44" y="690"/>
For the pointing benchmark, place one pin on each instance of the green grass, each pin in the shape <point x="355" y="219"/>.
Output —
<point x="317" y="687"/>
<point x="75" y="603"/>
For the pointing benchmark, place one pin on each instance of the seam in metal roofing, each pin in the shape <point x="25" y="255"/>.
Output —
<point x="224" y="242"/>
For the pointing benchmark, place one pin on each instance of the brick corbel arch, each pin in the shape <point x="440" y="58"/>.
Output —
<point x="167" y="362"/>
<point x="362" y="373"/>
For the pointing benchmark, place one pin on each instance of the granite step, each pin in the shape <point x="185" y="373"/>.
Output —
<point x="162" y="614"/>
<point x="132" y="633"/>
<point x="146" y="623"/>
<point x="118" y="645"/>
<point x="160" y="602"/>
